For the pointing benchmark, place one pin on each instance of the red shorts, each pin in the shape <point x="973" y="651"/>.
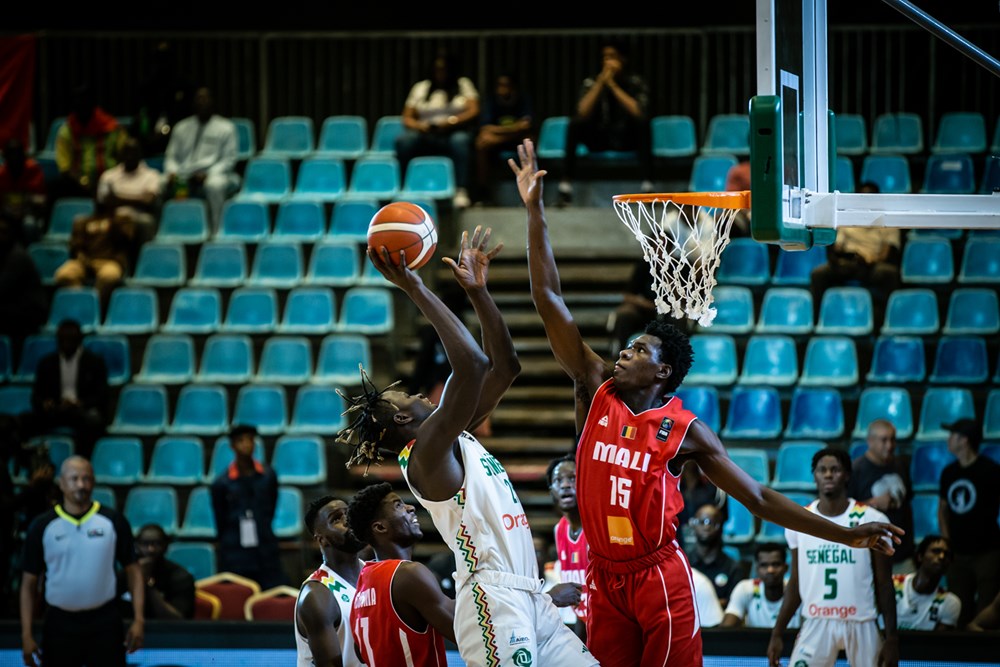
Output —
<point x="644" y="613"/>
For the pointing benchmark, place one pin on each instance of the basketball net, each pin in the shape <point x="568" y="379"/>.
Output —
<point x="682" y="237"/>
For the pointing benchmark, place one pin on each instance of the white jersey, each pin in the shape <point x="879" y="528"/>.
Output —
<point x="749" y="603"/>
<point x="836" y="581"/>
<point x="484" y="524"/>
<point x="344" y="592"/>
<point x="923" y="611"/>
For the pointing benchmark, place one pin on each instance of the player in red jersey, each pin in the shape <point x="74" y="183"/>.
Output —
<point x="634" y="441"/>
<point x="399" y="615"/>
<point x="571" y="543"/>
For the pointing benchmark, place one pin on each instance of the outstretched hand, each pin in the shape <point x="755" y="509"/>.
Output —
<point x="529" y="176"/>
<point x="398" y="274"/>
<point x="877" y="536"/>
<point x="473" y="259"/>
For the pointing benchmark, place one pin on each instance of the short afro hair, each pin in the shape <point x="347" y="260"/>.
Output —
<point x="771" y="547"/>
<point x="363" y="509"/>
<point x="925" y="544"/>
<point x="555" y="463"/>
<point x="840" y="454"/>
<point x="313" y="511"/>
<point x="675" y="350"/>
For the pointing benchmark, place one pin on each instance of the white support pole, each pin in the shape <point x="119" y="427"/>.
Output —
<point x="903" y="211"/>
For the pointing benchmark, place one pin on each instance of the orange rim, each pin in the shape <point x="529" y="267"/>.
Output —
<point x="738" y="199"/>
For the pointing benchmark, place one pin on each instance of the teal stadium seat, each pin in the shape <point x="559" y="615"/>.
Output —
<point x="317" y="410"/>
<point x="194" y="310"/>
<point x="198" y="558"/>
<point x="852" y="134"/>
<point x="830" y="361"/>
<point x="350" y="218"/>
<point x="552" y="138"/>
<point x="177" y="460"/>
<point x="246" y="138"/>
<point x="991" y="420"/>
<point x="227" y="359"/>
<point x="320" y="179"/>
<point x="118" y="460"/>
<point x="309" y="311"/>
<point x="152" y="504"/>
<point x="770" y="359"/>
<point x="252" y="310"/>
<point x="715" y="360"/>
<point x="160" y="265"/>
<point x="927" y="461"/>
<point x="81" y="304"/>
<point x="980" y="263"/>
<point x="734" y="310"/>
<point x="246" y="221"/>
<point x="786" y="310"/>
<point x="429" y="177"/>
<point x="901" y="133"/>
<point x="300" y="220"/>
<point x="927" y="261"/>
<point x="15" y="399"/>
<point x="199" y="518"/>
<point x="201" y="410"/>
<point x="343" y="136"/>
<point x="740" y="526"/>
<point x="373" y="177"/>
<point x="366" y="310"/>
<point x="220" y="264"/>
<point x="943" y="405"/>
<point x="703" y="402"/>
<point x="116" y="351"/>
<point x="898" y="359"/>
<point x="383" y="143"/>
<point x="267" y="180"/>
<point x="141" y="410"/>
<point x="815" y="412"/>
<point x="334" y="263"/>
<point x="222" y="456"/>
<point x="972" y="310"/>
<point x="793" y="268"/>
<point x="727" y="134"/>
<point x="132" y="310"/>
<point x="673" y="136"/>
<point x="288" y="513"/>
<point x="64" y="211"/>
<point x="340" y="355"/>
<point x="892" y="403"/>
<point x="911" y="311"/>
<point x="183" y="221"/>
<point x="709" y="172"/>
<point x="924" y="506"/>
<point x="277" y="264"/>
<point x="754" y="462"/>
<point x="960" y="132"/>
<point x="168" y="359"/>
<point x="890" y="172"/>
<point x="289" y="137"/>
<point x="299" y="459"/>
<point x="744" y="262"/>
<point x="285" y="360"/>
<point x="793" y="465"/>
<point x="35" y="347"/>
<point x="960" y="360"/>
<point x="48" y="256"/>
<point x="949" y="174"/>
<point x="843" y="175"/>
<point x="754" y="414"/>
<point x="262" y="406"/>
<point x="846" y="311"/>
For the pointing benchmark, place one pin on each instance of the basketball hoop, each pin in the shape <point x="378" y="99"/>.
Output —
<point x="682" y="235"/>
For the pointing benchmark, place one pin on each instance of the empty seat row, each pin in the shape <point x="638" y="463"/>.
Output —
<point x="903" y="133"/>
<point x="951" y="173"/>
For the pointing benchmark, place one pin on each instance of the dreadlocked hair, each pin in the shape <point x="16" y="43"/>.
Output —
<point x="363" y="434"/>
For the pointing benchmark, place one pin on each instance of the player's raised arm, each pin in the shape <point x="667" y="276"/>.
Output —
<point x="573" y="354"/>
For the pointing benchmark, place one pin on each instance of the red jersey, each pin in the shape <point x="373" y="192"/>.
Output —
<point x="573" y="561"/>
<point x="383" y="638"/>
<point x="629" y="500"/>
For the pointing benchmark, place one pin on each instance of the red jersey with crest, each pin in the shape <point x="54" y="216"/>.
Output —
<point x="384" y="639"/>
<point x="631" y="498"/>
<point x="573" y="561"/>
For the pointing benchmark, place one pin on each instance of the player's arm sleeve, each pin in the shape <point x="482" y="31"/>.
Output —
<point x="33" y="560"/>
<point x="949" y="612"/>
<point x="124" y="543"/>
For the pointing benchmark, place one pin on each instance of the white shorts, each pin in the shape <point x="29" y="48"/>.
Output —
<point x="820" y="639"/>
<point x="505" y="619"/>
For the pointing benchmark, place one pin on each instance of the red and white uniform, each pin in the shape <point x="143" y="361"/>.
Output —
<point x="573" y="561"/>
<point x="384" y="639"/>
<point x="642" y="601"/>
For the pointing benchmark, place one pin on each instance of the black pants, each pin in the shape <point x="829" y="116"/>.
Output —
<point x="95" y="637"/>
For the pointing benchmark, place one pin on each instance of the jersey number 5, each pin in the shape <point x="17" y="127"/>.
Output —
<point x="830" y="581"/>
<point x="621" y="491"/>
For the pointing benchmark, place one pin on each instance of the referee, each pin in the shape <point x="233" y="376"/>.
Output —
<point x="75" y="545"/>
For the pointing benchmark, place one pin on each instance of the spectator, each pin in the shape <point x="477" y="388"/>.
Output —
<point x="570" y="543"/>
<point x="22" y="191"/>
<point x="697" y="490"/>
<point x="438" y="118"/>
<point x="708" y="557"/>
<point x="611" y="114"/>
<point x="169" y="587"/>
<point x="507" y="119"/>
<point x="24" y="303"/>
<point x="71" y="390"/>
<point x="99" y="248"/>
<point x="755" y="603"/>
<point x="201" y="157"/>
<point x="87" y="144"/>
<point x="967" y="515"/>
<point x="244" y="498"/>
<point x="131" y="190"/>
<point x="881" y="479"/>
<point x="75" y="547"/>
<point x="921" y="602"/>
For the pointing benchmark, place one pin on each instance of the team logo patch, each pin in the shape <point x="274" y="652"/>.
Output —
<point x="604" y="421"/>
<point x="95" y="532"/>
<point x="628" y="432"/>
<point x="516" y="639"/>
<point x="665" y="427"/>
<point x="521" y="657"/>
<point x="620" y="530"/>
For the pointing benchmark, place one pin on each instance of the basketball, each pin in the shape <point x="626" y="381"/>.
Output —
<point x="407" y="227"/>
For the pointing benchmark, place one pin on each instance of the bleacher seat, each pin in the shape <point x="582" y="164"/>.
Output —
<point x="844" y="175"/>
<point x="343" y="136"/>
<point x="183" y="221"/>
<point x="980" y="262"/>
<point x="274" y="604"/>
<point x="299" y="459"/>
<point x="770" y="359"/>
<point x="202" y="410"/>
<point x="194" y="310"/>
<point x="267" y="180"/>
<point x="890" y="172"/>
<point x="703" y="402"/>
<point x="943" y="405"/>
<point x="48" y="256"/>
<point x="318" y="410"/>
<point x="709" y="172"/>
<point x="132" y="310"/>
<point x="285" y="360"/>
<point x="927" y="260"/>
<point x="924" y="506"/>
<point x="892" y="403"/>
<point x="740" y="526"/>
<point x="350" y="218"/>
<point x="377" y="178"/>
<point x="76" y="303"/>
<point x="288" y="512"/>
<point x="715" y="360"/>
<point x="793" y="465"/>
<point x="160" y="265"/>
<point x="727" y="134"/>
<point x="339" y="358"/>
<point x="911" y="311"/>
<point x="309" y="310"/>
<point x="846" y="311"/>
<point x="290" y="137"/>
<point x="227" y="359"/>
<point x="744" y="262"/>
<point x="277" y="264"/>
<point x="105" y="495"/>
<point x="262" y="406"/>
<point x="118" y="460"/>
<point x="383" y="143"/>
<point x="990" y="450"/>
<point x="231" y="591"/>
<point x="754" y="414"/>
<point x="199" y="518"/>
<point x="830" y="361"/>
<point x="552" y="138"/>
<point x="752" y="461"/>
<point x="244" y="222"/>
<point x="673" y="136"/>
<point x="815" y="412"/>
<point x="154" y="503"/>
<point x="898" y="359"/>
<point x="64" y="211"/>
<point x="198" y="558"/>
<point x="320" y="180"/>
<point x="222" y="456"/>
<point x="786" y="310"/>
<point x="960" y="132"/>
<point x="246" y="138"/>
<point x="15" y="399"/>
<point x="991" y="173"/>
<point x="300" y="220"/>
<point x="334" y="263"/>
<point x="168" y="359"/>
<point x="366" y="310"/>
<point x="927" y="461"/>
<point x="220" y="264"/>
<point x="794" y="267"/>
<point x="991" y="419"/>
<point x="35" y="347"/>
<point x="852" y="134"/>
<point x="429" y="177"/>
<point x="372" y="277"/>
<point x="252" y="310"/>
<point x="900" y="132"/>
<point x="177" y="460"/>
<point x="972" y="310"/>
<point x="734" y="309"/>
<point x="949" y="174"/>
<point x="117" y="354"/>
<point x="141" y="410"/>
<point x="960" y="360"/>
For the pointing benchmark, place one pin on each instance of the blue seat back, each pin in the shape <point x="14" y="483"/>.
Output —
<point x="960" y="360"/>
<point x="322" y="179"/>
<point x="334" y="263"/>
<point x="177" y="460"/>
<point x="141" y="409"/>
<point x="927" y="461"/>
<point x="552" y="137"/>
<point x="709" y="172"/>
<point x="744" y="262"/>
<point x="133" y="310"/>
<point x="318" y="410"/>
<point x="35" y="347"/>
<point x="786" y="310"/>
<point x="367" y="310"/>
<point x="227" y="358"/>
<point x="734" y="309"/>
<point x="729" y="134"/>
<point x="245" y="221"/>
<point x="703" y="402"/>
<point x="991" y="422"/>
<point x="852" y="134"/>
<point x="160" y="265"/>
<point x="309" y="310"/>
<point x="183" y="221"/>
<point x="343" y="136"/>
<point x="152" y="504"/>
<point x="300" y="221"/>
<point x="924" y="506"/>
<point x="844" y="175"/>
<point x="714" y="360"/>
<point x="949" y="174"/>
<point x="673" y="136"/>
<point x="795" y="267"/>
<point x="263" y="406"/>
<point x="288" y="513"/>
<point x="350" y="219"/>
<point x="64" y="211"/>
<point x="195" y="310"/>
<point x="387" y="128"/>
<point x="830" y="361"/>
<point x="48" y="256"/>
<point x="431" y="176"/>
<point x="753" y="462"/>
<point x="972" y="310"/>
<point x="246" y="138"/>
<point x="285" y="360"/>
<point x="199" y="518"/>
<point x="815" y="412"/>
<point x="198" y="558"/>
<point x="754" y="413"/>
<point x="76" y="303"/>
<point x="847" y="311"/>
<point x="912" y="311"/>
<point x="927" y="260"/>
<point x="277" y="264"/>
<point x="117" y="460"/>
<point x="793" y="465"/>
<point x="299" y="459"/>
<point x="267" y="179"/>
<point x="117" y="355"/>
<point x="892" y="403"/>
<point x="222" y="456"/>
<point x="981" y="262"/>
<point x="290" y="136"/>
<point x="375" y="177"/>
<point x="960" y="132"/>
<point x="890" y="172"/>
<point x="943" y="405"/>
<point x="252" y="310"/>
<point x="898" y="359"/>
<point x="770" y="359"/>
<point x="340" y="356"/>
<point x="221" y="264"/>
<point x="901" y="133"/>
<point x="168" y="359"/>
<point x="15" y="399"/>
<point x="201" y="409"/>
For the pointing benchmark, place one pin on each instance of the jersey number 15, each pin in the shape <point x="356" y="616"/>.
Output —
<point x="621" y="491"/>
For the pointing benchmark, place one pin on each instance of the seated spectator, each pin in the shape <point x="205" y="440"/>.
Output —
<point x="24" y="303"/>
<point x="169" y="587"/>
<point x="507" y="120"/>
<point x="86" y="146"/>
<point x="22" y="191"/>
<point x="697" y="490"/>
<point x="921" y="602"/>
<point x="709" y="608"/>
<point x="708" y="556"/>
<point x="755" y="603"/>
<point x="100" y="246"/>
<point x="132" y="190"/>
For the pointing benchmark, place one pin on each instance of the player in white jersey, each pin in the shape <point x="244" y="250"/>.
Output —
<point x="841" y="589"/>
<point x="323" y="609"/>
<point x="921" y="602"/>
<point x="501" y="615"/>
<point x="755" y="602"/>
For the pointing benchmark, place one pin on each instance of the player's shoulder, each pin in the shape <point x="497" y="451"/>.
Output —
<point x="866" y="513"/>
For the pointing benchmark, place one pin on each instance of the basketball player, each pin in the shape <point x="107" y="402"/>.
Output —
<point x="634" y="441"/>
<point x="571" y="543"/>
<point x="322" y="611"/>
<point x="841" y="590"/>
<point x="501" y="615"/>
<point x="921" y="602"/>
<point x="400" y="615"/>
<point x="755" y="603"/>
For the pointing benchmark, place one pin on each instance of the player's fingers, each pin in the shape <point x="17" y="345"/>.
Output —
<point x="484" y="241"/>
<point x="496" y="251"/>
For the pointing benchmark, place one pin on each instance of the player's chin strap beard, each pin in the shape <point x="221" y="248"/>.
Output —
<point x="364" y="433"/>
